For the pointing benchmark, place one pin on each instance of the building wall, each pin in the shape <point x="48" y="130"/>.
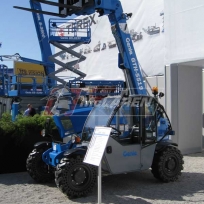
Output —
<point x="185" y="105"/>
<point x="184" y="30"/>
<point x="183" y="87"/>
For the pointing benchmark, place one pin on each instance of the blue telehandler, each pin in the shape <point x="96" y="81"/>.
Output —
<point x="141" y="129"/>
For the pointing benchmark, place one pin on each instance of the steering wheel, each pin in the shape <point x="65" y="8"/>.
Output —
<point x="118" y="131"/>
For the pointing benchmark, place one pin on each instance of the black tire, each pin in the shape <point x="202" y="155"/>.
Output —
<point x="75" y="178"/>
<point x="167" y="164"/>
<point x="37" y="169"/>
<point x="154" y="166"/>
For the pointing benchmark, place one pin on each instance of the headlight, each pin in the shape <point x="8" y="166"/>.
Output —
<point x="43" y="132"/>
<point x="73" y="139"/>
<point x="76" y="139"/>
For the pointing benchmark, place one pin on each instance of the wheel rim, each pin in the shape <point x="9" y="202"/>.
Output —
<point x="171" y="165"/>
<point x="80" y="176"/>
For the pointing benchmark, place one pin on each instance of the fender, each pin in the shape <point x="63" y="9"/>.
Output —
<point x="162" y="145"/>
<point x="76" y="151"/>
<point x="43" y="144"/>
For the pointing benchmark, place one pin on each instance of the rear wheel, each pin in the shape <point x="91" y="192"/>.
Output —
<point x="75" y="178"/>
<point x="37" y="168"/>
<point x="167" y="164"/>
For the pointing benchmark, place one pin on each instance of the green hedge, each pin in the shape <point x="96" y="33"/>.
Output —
<point x="17" y="140"/>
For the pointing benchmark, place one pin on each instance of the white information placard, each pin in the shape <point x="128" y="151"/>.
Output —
<point x="97" y="145"/>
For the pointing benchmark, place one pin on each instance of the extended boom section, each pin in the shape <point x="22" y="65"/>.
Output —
<point x="118" y="19"/>
<point x="43" y="41"/>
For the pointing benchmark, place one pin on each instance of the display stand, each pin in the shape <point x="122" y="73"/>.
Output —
<point x="99" y="185"/>
<point x="96" y="150"/>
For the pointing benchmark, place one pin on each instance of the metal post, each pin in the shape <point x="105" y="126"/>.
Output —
<point x="99" y="184"/>
<point x="14" y="111"/>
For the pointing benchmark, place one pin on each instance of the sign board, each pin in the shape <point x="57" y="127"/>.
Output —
<point x="97" y="145"/>
<point x="28" y="71"/>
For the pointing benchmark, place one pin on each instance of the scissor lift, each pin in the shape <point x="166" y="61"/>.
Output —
<point x="76" y="32"/>
<point x="68" y="31"/>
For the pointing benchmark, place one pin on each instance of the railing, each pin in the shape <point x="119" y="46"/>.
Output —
<point x="28" y="85"/>
<point x="4" y="79"/>
<point x="69" y="30"/>
<point x="82" y="93"/>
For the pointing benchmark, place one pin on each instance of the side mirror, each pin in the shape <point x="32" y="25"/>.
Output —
<point x="84" y="135"/>
<point x="161" y="95"/>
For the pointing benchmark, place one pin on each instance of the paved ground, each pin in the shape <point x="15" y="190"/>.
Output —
<point x="137" y="188"/>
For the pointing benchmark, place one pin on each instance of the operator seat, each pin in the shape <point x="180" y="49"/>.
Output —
<point x="135" y="134"/>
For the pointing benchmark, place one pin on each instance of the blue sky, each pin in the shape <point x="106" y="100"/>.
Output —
<point x="17" y="30"/>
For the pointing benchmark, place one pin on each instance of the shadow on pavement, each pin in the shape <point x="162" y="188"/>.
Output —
<point x="136" y="187"/>
<point x="21" y="178"/>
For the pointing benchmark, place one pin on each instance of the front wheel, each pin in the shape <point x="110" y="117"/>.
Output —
<point x="37" y="169"/>
<point x="167" y="164"/>
<point x="75" y="178"/>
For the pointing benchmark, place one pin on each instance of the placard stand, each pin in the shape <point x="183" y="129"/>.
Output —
<point x="96" y="150"/>
<point x="99" y="184"/>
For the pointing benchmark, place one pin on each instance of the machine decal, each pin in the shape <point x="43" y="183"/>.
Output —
<point x="129" y="154"/>
<point x="42" y="31"/>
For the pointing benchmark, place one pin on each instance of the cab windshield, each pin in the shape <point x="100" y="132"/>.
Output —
<point x="100" y="115"/>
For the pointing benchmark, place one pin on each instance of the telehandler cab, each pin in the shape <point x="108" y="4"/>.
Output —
<point x="137" y="142"/>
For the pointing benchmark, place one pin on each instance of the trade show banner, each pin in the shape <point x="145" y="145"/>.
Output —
<point x="28" y="71"/>
<point x="146" y="27"/>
